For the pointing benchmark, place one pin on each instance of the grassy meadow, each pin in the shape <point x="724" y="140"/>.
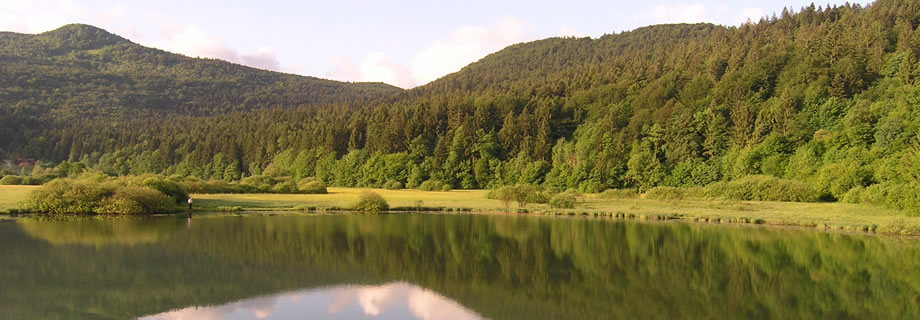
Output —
<point x="12" y="196"/>
<point x="840" y="216"/>
<point x="835" y="216"/>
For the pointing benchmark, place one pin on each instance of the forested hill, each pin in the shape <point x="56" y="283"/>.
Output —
<point x="80" y="71"/>
<point x="827" y="96"/>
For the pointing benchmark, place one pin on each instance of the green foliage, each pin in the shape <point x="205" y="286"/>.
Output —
<point x="666" y="193"/>
<point x="619" y="194"/>
<point x="432" y="185"/>
<point x="371" y="202"/>
<point x="824" y="96"/>
<point x="839" y="178"/>
<point x="900" y="196"/>
<point x="564" y="200"/>
<point x="11" y="180"/>
<point x="523" y="194"/>
<point x="89" y="196"/>
<point x="393" y="185"/>
<point x="136" y="200"/>
<point x="762" y="188"/>
<point x="167" y="187"/>
<point x="311" y="186"/>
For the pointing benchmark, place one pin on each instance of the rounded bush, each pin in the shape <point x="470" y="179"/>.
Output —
<point x="312" y="186"/>
<point x="167" y="187"/>
<point x="136" y="200"/>
<point x="393" y="185"/>
<point x="665" y="193"/>
<point x="285" y="187"/>
<point x="371" y="202"/>
<point x="431" y="185"/>
<point x="446" y="187"/>
<point x="11" y="180"/>
<point x="565" y="200"/>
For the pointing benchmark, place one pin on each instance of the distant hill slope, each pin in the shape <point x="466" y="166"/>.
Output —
<point x="83" y="70"/>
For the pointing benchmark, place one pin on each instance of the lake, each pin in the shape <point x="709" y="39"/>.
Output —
<point x="439" y="266"/>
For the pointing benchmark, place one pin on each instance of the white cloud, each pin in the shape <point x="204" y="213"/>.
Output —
<point x="38" y="15"/>
<point x="460" y="47"/>
<point x="193" y="41"/>
<point x="465" y="45"/>
<point x="263" y="58"/>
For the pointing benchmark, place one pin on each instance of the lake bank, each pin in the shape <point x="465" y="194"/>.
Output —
<point x="831" y="216"/>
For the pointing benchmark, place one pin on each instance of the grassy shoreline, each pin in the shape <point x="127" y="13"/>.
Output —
<point x="824" y="216"/>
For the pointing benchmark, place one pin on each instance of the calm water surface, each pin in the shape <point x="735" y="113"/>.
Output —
<point x="430" y="266"/>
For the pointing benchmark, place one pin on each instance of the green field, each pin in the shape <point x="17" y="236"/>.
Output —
<point x="11" y="196"/>
<point x="851" y="217"/>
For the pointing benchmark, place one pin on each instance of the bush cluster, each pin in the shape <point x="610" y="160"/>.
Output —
<point x="255" y="184"/>
<point x="666" y="193"/>
<point x="762" y="188"/>
<point x="619" y="194"/>
<point x="564" y="200"/>
<point x="91" y="196"/>
<point x="12" y="180"/>
<point x="523" y="194"/>
<point x="393" y="185"/>
<point x="893" y="195"/>
<point x="434" y="185"/>
<point x="371" y="202"/>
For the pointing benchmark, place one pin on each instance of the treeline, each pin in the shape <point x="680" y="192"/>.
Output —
<point x="826" y="96"/>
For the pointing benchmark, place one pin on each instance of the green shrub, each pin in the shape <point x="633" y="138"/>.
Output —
<point x="136" y="200"/>
<point x="66" y="196"/>
<point x="523" y="194"/>
<point x="565" y="200"/>
<point x="431" y="185"/>
<point x="98" y="196"/>
<point x="837" y="179"/>
<point x="619" y="194"/>
<point x="371" y="202"/>
<point x="393" y="185"/>
<point x="195" y="185"/>
<point x="312" y="186"/>
<point x="854" y="195"/>
<point x="259" y="182"/>
<point x="285" y="186"/>
<point x="167" y="187"/>
<point x="762" y="188"/>
<point x="446" y="188"/>
<point x="666" y="193"/>
<point x="11" y="180"/>
<point x="893" y="195"/>
<point x="505" y="194"/>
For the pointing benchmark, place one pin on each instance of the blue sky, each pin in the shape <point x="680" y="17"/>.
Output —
<point x="404" y="43"/>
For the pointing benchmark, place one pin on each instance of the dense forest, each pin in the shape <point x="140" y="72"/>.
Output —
<point x="823" y="95"/>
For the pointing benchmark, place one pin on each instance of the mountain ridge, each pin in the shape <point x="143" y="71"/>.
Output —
<point x="55" y="70"/>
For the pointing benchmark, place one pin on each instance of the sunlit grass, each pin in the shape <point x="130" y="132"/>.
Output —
<point x="851" y="217"/>
<point x="834" y="216"/>
<point x="346" y="197"/>
<point x="12" y="196"/>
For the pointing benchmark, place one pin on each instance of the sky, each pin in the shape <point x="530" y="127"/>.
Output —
<point x="403" y="43"/>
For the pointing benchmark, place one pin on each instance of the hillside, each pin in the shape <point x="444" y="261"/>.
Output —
<point x="828" y="97"/>
<point x="83" y="71"/>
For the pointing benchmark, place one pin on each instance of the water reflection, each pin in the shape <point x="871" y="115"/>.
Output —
<point x="397" y="300"/>
<point x="94" y="232"/>
<point x="501" y="267"/>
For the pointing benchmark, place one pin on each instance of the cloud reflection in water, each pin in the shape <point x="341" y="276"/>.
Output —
<point x="397" y="300"/>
